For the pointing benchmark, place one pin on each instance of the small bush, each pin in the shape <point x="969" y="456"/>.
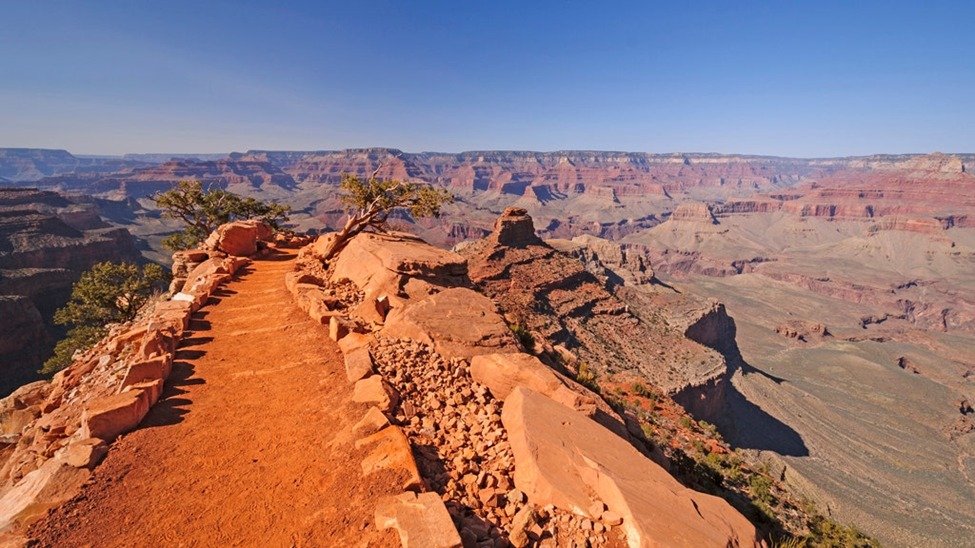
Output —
<point x="641" y="390"/>
<point x="827" y="532"/>
<point x="588" y="377"/>
<point x="708" y="427"/>
<point x="108" y="293"/>
<point x="524" y="337"/>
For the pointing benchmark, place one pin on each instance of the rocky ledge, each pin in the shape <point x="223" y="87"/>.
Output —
<point x="502" y="448"/>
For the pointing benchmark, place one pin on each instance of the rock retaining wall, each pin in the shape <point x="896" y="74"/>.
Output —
<point x="56" y="432"/>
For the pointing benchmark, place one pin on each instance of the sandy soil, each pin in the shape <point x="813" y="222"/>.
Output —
<point x="250" y="444"/>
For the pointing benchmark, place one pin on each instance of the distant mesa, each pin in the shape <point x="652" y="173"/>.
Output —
<point x="698" y="212"/>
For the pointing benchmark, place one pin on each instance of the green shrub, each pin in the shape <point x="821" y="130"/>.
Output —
<point x="524" y="337"/>
<point x="827" y="532"/>
<point x="108" y="293"/>
<point x="588" y="377"/>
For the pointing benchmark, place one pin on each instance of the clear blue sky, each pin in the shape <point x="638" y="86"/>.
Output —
<point x="777" y="77"/>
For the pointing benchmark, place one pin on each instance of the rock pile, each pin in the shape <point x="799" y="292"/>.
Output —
<point x="802" y="331"/>
<point x="463" y="452"/>
<point x="56" y="432"/>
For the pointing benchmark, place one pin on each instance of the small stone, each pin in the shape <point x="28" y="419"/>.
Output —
<point x="597" y="508"/>
<point x="611" y="518"/>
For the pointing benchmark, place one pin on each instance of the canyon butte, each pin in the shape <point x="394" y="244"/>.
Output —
<point x="585" y="347"/>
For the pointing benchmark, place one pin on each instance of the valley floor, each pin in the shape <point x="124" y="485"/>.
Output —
<point x="250" y="444"/>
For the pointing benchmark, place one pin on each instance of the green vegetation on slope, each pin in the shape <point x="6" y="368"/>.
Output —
<point x="107" y="293"/>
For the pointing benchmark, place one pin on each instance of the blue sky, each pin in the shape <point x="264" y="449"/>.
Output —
<point x="777" y="77"/>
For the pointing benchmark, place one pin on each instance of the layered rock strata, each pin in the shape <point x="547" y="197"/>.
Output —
<point x="46" y="242"/>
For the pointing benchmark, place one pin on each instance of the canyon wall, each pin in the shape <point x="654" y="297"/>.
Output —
<point x="46" y="242"/>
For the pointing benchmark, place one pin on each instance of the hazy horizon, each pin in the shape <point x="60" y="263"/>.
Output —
<point x="579" y="150"/>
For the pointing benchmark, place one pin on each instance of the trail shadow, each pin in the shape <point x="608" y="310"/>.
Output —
<point x="173" y="405"/>
<point x="223" y="292"/>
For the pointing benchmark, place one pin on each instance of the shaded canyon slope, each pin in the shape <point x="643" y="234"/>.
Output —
<point x="46" y="242"/>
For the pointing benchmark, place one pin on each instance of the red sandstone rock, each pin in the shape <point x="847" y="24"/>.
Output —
<point x="336" y="328"/>
<point x="48" y="486"/>
<point x="358" y="364"/>
<point x="373" y="421"/>
<point x="398" y="266"/>
<point x="698" y="212"/>
<point x="140" y="371"/>
<point x="422" y="521"/>
<point x="514" y="228"/>
<point x="85" y="453"/>
<point x="21" y="407"/>
<point x="390" y="450"/>
<point x="457" y="322"/>
<point x="109" y="416"/>
<point x="564" y="458"/>
<point x="353" y="341"/>
<point x="375" y="390"/>
<point x="501" y="373"/>
<point x="238" y="238"/>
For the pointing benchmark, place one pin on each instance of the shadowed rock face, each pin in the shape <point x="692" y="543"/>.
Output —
<point x="553" y="295"/>
<point x="46" y="241"/>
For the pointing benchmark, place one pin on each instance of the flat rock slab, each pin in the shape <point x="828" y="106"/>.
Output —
<point x="422" y="521"/>
<point x="564" y="458"/>
<point x="457" y="322"/>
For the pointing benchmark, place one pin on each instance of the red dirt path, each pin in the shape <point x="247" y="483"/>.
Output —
<point x="250" y="444"/>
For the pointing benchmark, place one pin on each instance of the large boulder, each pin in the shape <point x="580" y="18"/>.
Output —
<point x="397" y="266"/>
<point x="53" y="483"/>
<point x="566" y="459"/>
<point x="501" y="373"/>
<point x="457" y="322"/>
<point x="238" y="238"/>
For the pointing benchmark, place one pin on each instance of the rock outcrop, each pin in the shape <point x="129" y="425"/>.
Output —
<point x="553" y="296"/>
<point x="564" y="459"/>
<point x="694" y="212"/>
<point x="437" y="362"/>
<point x="612" y="262"/>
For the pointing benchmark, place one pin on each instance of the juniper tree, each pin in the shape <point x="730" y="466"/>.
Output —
<point x="203" y="210"/>
<point x="107" y="293"/>
<point x="369" y="203"/>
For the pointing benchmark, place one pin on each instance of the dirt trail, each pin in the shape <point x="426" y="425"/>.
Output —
<point x="250" y="444"/>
